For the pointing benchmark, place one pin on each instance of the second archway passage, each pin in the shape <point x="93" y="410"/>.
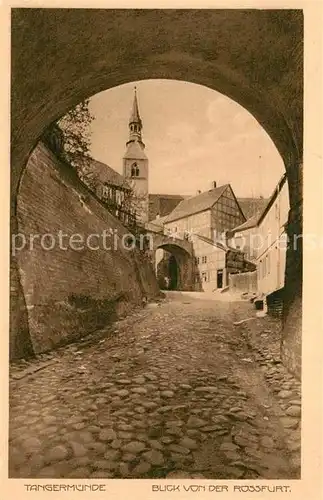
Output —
<point x="174" y="268"/>
<point x="173" y="273"/>
<point x="167" y="272"/>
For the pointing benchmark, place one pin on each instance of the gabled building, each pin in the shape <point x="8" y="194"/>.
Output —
<point x="263" y="240"/>
<point x="109" y="185"/>
<point x="204" y="219"/>
<point x="271" y="250"/>
<point x="242" y="236"/>
<point x="105" y="182"/>
<point x="216" y="210"/>
<point x="113" y="189"/>
<point x="252" y="206"/>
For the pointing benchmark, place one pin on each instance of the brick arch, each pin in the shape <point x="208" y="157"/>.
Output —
<point x="260" y="67"/>
<point x="169" y="243"/>
<point x="61" y="56"/>
<point x="184" y="260"/>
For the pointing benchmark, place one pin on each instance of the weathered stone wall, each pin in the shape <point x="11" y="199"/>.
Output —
<point x="19" y="339"/>
<point x="244" y="282"/>
<point x="292" y="309"/>
<point x="291" y="347"/>
<point x="71" y="292"/>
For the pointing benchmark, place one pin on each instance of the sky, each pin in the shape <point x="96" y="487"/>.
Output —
<point x="193" y="136"/>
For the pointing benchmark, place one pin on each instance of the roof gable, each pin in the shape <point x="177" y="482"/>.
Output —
<point x="257" y="218"/>
<point x="273" y="197"/>
<point x="249" y="224"/>
<point x="230" y="193"/>
<point x="252" y="206"/>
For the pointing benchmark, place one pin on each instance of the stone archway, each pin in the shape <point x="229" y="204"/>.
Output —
<point x="167" y="273"/>
<point x="260" y="67"/>
<point x="175" y="269"/>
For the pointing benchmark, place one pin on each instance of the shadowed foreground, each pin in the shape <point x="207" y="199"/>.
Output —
<point x="176" y="390"/>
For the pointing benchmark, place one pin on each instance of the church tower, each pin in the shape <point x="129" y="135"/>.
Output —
<point x="135" y="164"/>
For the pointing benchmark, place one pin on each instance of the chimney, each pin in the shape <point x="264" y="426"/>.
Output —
<point x="213" y="185"/>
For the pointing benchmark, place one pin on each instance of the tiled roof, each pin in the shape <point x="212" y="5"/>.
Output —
<point x="252" y="206"/>
<point x="251" y="222"/>
<point x="196" y="204"/>
<point x="170" y="196"/>
<point x="105" y="174"/>
<point x="135" y="151"/>
<point x="159" y="221"/>
<point x="163" y="204"/>
<point x="260" y="207"/>
<point x="156" y="225"/>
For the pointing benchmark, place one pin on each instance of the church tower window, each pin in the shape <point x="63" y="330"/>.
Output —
<point x="134" y="170"/>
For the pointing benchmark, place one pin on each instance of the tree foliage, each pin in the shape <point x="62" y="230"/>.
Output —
<point x="70" y="139"/>
<point x="75" y="126"/>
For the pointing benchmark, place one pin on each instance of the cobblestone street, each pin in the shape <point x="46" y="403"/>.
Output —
<point x="175" y="390"/>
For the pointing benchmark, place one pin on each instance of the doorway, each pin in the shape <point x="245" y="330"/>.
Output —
<point x="219" y="278"/>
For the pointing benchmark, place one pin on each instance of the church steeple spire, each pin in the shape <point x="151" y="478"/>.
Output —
<point x="135" y="163"/>
<point x="135" y="123"/>
<point x="135" y="117"/>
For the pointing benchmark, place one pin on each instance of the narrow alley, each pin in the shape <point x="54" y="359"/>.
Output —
<point x="176" y="390"/>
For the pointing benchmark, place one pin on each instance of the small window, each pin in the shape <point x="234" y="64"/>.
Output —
<point x="134" y="170"/>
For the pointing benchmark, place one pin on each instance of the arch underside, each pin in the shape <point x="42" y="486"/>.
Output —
<point x="258" y="67"/>
<point x="184" y="263"/>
